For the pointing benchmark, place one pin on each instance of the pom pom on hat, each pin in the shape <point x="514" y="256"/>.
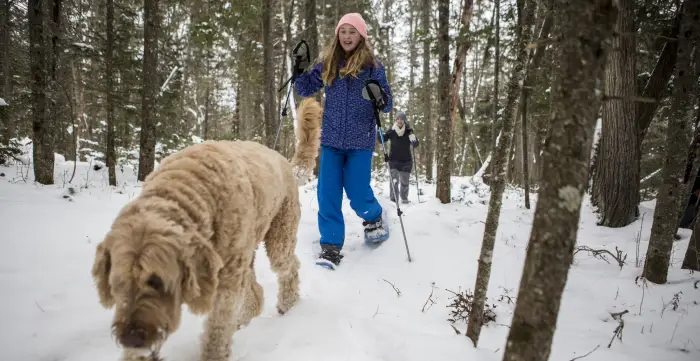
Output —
<point x="356" y="20"/>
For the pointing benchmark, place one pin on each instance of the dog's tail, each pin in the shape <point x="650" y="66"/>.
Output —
<point x="308" y="134"/>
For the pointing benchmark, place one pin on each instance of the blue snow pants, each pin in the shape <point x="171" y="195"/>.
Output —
<point x="350" y="170"/>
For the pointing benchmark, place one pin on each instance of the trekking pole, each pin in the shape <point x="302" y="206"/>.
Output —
<point x="302" y="55"/>
<point x="371" y="94"/>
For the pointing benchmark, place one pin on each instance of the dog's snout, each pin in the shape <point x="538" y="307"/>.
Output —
<point x="134" y="337"/>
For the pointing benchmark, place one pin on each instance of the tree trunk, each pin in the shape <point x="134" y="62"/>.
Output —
<point x="39" y="54"/>
<point x="583" y="27"/>
<point x="677" y="141"/>
<point x="150" y="89"/>
<point x="615" y="181"/>
<point x="691" y="260"/>
<point x="311" y="29"/>
<point x="498" y="167"/>
<point x="529" y="153"/>
<point x="109" y="63"/>
<point x="268" y="74"/>
<point x="443" y="135"/>
<point x="526" y="153"/>
<point x="495" y="129"/>
<point x="6" y="128"/>
<point x="451" y="88"/>
<point x="427" y="91"/>
<point x="658" y="80"/>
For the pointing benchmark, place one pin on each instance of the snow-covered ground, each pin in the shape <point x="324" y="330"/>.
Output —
<point x="49" y="309"/>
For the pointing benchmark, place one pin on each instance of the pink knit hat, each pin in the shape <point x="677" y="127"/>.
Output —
<point x="355" y="20"/>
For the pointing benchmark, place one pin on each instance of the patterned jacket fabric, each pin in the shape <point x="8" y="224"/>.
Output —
<point x="348" y="118"/>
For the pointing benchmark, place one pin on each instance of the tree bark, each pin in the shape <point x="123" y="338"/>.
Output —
<point x="496" y="77"/>
<point x="691" y="260"/>
<point x="39" y="56"/>
<point x="268" y="75"/>
<point x="583" y="28"/>
<point x="427" y="103"/>
<point x="528" y="84"/>
<point x="677" y="141"/>
<point x="526" y="153"/>
<point x="109" y="65"/>
<point x="499" y="167"/>
<point x="443" y="136"/>
<point x="658" y="80"/>
<point x="150" y="89"/>
<point x="449" y="97"/>
<point x="615" y="181"/>
<point x="6" y="128"/>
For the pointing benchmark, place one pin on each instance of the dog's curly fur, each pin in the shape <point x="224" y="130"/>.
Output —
<point x="191" y="235"/>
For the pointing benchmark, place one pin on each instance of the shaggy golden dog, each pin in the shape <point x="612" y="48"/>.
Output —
<point x="191" y="235"/>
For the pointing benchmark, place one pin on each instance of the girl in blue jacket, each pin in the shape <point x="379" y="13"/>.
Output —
<point x="348" y="135"/>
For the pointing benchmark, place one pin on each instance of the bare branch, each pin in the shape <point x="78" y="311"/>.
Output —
<point x="430" y="299"/>
<point x="580" y="357"/>
<point x="600" y="253"/>
<point x="398" y="292"/>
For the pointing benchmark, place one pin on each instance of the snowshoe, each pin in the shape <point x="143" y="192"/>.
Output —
<point x="330" y="257"/>
<point x="378" y="231"/>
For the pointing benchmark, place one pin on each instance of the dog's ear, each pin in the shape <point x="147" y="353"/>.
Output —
<point x="201" y="265"/>
<point x="100" y="273"/>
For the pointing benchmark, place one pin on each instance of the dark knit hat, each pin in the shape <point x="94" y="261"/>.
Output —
<point x="401" y="115"/>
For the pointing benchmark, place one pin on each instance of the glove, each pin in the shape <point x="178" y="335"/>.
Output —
<point x="301" y="57"/>
<point x="412" y="138"/>
<point x="375" y="93"/>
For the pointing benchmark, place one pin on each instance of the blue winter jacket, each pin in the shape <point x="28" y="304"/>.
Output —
<point x="348" y="118"/>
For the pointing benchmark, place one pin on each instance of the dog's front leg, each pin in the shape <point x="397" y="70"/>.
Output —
<point x="225" y="316"/>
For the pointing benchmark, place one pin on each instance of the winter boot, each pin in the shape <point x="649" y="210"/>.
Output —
<point x="330" y="256"/>
<point x="378" y="231"/>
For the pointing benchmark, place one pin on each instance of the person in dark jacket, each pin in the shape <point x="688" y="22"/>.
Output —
<point x="402" y="139"/>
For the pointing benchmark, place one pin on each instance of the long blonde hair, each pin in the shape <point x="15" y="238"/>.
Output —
<point x="359" y="58"/>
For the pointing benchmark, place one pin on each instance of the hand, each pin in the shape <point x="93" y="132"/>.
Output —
<point x="412" y="138"/>
<point x="300" y="66"/>
<point x="301" y="57"/>
<point x="374" y="93"/>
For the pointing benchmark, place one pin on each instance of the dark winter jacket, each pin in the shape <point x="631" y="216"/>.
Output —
<point x="400" y="151"/>
<point x="348" y="118"/>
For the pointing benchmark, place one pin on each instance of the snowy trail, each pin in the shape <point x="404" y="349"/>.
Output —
<point x="49" y="309"/>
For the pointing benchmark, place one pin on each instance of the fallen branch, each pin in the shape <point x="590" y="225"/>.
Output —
<point x="618" y="330"/>
<point x="580" y="357"/>
<point x="398" y="292"/>
<point x="430" y="298"/>
<point x="600" y="254"/>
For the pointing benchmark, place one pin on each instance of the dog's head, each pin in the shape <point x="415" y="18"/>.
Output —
<point x="148" y="268"/>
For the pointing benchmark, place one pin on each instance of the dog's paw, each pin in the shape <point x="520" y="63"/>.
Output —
<point x="284" y="305"/>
